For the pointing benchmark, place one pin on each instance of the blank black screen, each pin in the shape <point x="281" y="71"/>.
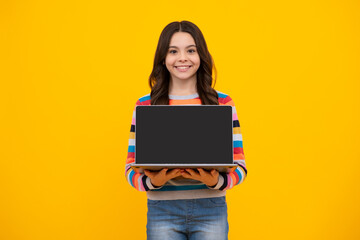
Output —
<point x="184" y="134"/>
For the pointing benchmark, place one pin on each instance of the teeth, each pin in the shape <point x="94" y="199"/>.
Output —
<point x="182" y="67"/>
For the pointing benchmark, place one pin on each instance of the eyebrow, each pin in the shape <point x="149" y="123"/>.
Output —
<point x="186" y="47"/>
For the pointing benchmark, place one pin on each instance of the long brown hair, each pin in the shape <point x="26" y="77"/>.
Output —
<point x="159" y="79"/>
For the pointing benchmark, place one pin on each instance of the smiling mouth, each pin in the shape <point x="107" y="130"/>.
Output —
<point x="183" y="67"/>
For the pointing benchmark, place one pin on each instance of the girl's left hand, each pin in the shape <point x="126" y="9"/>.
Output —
<point x="209" y="178"/>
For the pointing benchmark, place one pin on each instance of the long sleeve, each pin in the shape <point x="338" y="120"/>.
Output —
<point x="136" y="179"/>
<point x="226" y="180"/>
<point x="236" y="176"/>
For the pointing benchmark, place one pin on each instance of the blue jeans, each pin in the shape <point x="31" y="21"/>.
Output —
<point x="193" y="219"/>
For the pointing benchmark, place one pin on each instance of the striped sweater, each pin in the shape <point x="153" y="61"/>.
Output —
<point x="181" y="188"/>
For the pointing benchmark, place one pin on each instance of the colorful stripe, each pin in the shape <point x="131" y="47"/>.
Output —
<point x="196" y="101"/>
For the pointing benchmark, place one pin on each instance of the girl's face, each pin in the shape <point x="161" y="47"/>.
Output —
<point x="182" y="59"/>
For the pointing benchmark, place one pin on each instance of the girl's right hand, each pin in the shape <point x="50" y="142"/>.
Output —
<point x="159" y="178"/>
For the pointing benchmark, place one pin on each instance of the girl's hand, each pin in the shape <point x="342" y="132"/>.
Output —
<point x="209" y="178"/>
<point x="159" y="178"/>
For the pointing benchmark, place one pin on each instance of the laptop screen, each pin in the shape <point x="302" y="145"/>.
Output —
<point x="184" y="134"/>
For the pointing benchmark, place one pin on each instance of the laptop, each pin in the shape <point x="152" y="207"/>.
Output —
<point x="184" y="136"/>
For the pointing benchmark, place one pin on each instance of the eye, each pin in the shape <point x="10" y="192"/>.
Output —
<point x="172" y="51"/>
<point x="192" y="50"/>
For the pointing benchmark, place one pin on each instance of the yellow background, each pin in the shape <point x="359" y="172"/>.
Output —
<point x="71" y="72"/>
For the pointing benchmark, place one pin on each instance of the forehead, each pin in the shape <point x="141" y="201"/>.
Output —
<point x="181" y="39"/>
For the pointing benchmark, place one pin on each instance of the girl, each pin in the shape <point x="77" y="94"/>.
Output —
<point x="184" y="203"/>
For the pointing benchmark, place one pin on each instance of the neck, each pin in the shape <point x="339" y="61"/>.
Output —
<point x="182" y="87"/>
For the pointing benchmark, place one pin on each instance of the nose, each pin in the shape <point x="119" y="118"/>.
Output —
<point x="183" y="57"/>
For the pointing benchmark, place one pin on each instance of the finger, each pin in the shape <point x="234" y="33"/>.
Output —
<point x="177" y="174"/>
<point x="213" y="172"/>
<point x="191" y="172"/>
<point x="173" y="172"/>
<point x="183" y="171"/>
<point x="163" y="171"/>
<point x="186" y="175"/>
<point x="202" y="171"/>
<point x="148" y="173"/>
